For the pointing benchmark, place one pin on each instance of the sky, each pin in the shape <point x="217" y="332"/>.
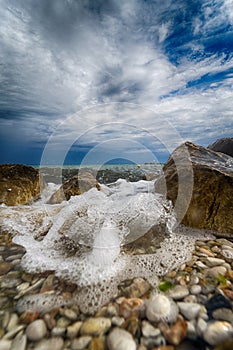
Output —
<point x="85" y="81"/>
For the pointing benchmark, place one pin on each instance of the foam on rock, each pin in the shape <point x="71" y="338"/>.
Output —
<point x="81" y="239"/>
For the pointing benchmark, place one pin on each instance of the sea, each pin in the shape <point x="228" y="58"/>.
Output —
<point x="100" y="238"/>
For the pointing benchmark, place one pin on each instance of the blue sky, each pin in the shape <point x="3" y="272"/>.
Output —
<point x="91" y="81"/>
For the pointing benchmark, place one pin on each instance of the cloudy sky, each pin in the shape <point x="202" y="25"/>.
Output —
<point x="102" y="79"/>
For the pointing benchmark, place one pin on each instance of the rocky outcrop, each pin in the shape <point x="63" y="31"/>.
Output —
<point x="19" y="184"/>
<point x="199" y="182"/>
<point x="78" y="184"/>
<point x="224" y="145"/>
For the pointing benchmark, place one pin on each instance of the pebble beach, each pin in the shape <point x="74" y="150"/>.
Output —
<point x="191" y="308"/>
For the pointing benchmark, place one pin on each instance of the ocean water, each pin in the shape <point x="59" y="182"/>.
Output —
<point x="86" y="239"/>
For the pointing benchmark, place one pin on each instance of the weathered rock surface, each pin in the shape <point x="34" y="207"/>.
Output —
<point x="224" y="145"/>
<point x="77" y="185"/>
<point x="19" y="184"/>
<point x="210" y="174"/>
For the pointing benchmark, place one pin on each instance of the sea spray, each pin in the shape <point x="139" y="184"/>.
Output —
<point x="83" y="240"/>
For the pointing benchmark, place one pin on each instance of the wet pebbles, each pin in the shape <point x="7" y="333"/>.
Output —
<point x="191" y="308"/>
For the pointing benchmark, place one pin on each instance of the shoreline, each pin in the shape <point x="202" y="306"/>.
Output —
<point x="194" y="283"/>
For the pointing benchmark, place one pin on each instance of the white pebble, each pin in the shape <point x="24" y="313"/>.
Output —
<point x="195" y="289"/>
<point x="178" y="292"/>
<point x="148" y="330"/>
<point x="217" y="332"/>
<point x="201" y="326"/>
<point x="119" y="339"/>
<point x="161" y="308"/>
<point x="19" y="343"/>
<point x="5" y="344"/>
<point x="189" y="310"/>
<point x="211" y="262"/>
<point x="81" y="342"/>
<point x="36" y="330"/>
<point x="56" y="343"/>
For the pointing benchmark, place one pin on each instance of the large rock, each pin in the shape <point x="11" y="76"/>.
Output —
<point x="199" y="182"/>
<point x="224" y="145"/>
<point x="78" y="184"/>
<point x="19" y="184"/>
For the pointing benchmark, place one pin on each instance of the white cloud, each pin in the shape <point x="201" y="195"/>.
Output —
<point x="61" y="57"/>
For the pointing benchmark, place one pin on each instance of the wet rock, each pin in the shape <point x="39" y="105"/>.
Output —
<point x="138" y="288"/>
<point x="223" y="314"/>
<point x="95" y="326"/>
<point x="175" y="333"/>
<point x="5" y="344"/>
<point x="195" y="289"/>
<point x="224" y="145"/>
<point x="120" y="339"/>
<point x="81" y="343"/>
<point x="19" y="343"/>
<point x="210" y="206"/>
<point x="178" y="292"/>
<point x="148" y="330"/>
<point x="55" y="343"/>
<point x="20" y="184"/>
<point x="211" y="262"/>
<point x="73" y="329"/>
<point x="36" y="330"/>
<point x="96" y="344"/>
<point x="4" y="268"/>
<point x="189" y="310"/>
<point x="217" y="332"/>
<point x="217" y="302"/>
<point x="215" y="271"/>
<point x="131" y="307"/>
<point x="161" y="308"/>
<point x="77" y="185"/>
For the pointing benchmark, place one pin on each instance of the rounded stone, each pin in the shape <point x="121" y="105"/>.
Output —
<point x="189" y="310"/>
<point x="81" y="342"/>
<point x="5" y="344"/>
<point x="120" y="339"/>
<point x="161" y="308"/>
<point x="55" y="343"/>
<point x="95" y="326"/>
<point x="4" y="268"/>
<point x="178" y="292"/>
<point x="195" y="289"/>
<point x="36" y="330"/>
<point x="218" y="331"/>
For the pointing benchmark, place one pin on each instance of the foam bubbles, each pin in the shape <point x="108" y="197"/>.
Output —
<point x="82" y="239"/>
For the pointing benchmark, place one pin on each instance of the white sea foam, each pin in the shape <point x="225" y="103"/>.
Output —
<point x="96" y="224"/>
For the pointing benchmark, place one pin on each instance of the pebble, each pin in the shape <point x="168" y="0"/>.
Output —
<point x="189" y="310"/>
<point x="211" y="262"/>
<point x="80" y="343"/>
<point x="215" y="271"/>
<point x="72" y="330"/>
<point x="178" y="292"/>
<point x="19" y="343"/>
<point x="36" y="330"/>
<point x="161" y="308"/>
<point x="148" y="330"/>
<point x="55" y="343"/>
<point x="223" y="314"/>
<point x="217" y="332"/>
<point x="119" y="339"/>
<point x="4" y="268"/>
<point x="175" y="333"/>
<point x="96" y="344"/>
<point x="201" y="326"/>
<point x="95" y="326"/>
<point x="5" y="344"/>
<point x="195" y="289"/>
